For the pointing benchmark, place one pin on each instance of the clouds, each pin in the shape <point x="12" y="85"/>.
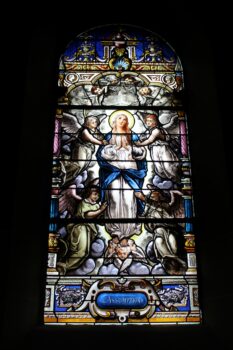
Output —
<point x="162" y="184"/>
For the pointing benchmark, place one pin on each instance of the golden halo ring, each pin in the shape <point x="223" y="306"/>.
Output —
<point x="129" y="115"/>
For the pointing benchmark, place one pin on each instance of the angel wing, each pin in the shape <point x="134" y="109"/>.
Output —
<point x="126" y="263"/>
<point x="168" y="120"/>
<point x="99" y="113"/>
<point x="70" y="123"/>
<point x="68" y="200"/>
<point x="176" y="203"/>
<point x="139" y="255"/>
<point x="141" y="99"/>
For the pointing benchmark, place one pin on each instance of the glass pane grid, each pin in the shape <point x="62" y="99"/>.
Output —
<point x="121" y="243"/>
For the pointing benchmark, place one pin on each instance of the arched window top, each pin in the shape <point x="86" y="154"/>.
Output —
<point x="117" y="53"/>
<point x="119" y="48"/>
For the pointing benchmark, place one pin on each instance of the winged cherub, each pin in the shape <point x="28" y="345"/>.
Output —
<point x="83" y="140"/>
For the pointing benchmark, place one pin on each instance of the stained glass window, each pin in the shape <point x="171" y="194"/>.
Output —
<point x="121" y="242"/>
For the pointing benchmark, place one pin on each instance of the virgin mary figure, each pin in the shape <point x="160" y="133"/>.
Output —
<point x="122" y="172"/>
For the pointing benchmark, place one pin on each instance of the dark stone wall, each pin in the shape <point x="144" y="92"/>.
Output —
<point x="30" y="76"/>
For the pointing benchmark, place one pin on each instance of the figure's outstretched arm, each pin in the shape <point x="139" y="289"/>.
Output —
<point x="150" y="139"/>
<point x="140" y="195"/>
<point x="95" y="213"/>
<point x="86" y="135"/>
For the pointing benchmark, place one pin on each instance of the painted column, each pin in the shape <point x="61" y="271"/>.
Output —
<point x="183" y="139"/>
<point x="191" y="256"/>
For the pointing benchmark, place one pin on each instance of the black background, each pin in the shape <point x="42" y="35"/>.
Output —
<point x="32" y="42"/>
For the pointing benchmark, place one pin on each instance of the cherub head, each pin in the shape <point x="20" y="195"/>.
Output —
<point x="96" y="90"/>
<point x="145" y="91"/>
<point x="129" y="79"/>
<point x="124" y="248"/>
<point x="92" y="194"/>
<point x="151" y="120"/>
<point x="91" y="122"/>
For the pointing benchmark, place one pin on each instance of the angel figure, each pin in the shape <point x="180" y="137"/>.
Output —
<point x="97" y="94"/>
<point x="123" y="252"/>
<point x="154" y="96"/>
<point x="165" y="160"/>
<point x="80" y="236"/>
<point x="69" y="199"/>
<point x="162" y="204"/>
<point x="84" y="138"/>
<point x="165" y="248"/>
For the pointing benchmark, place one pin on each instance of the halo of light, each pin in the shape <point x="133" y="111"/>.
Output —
<point x="129" y="115"/>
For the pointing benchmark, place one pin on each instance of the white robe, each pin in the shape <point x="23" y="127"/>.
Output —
<point x="120" y="196"/>
<point x="166" y="162"/>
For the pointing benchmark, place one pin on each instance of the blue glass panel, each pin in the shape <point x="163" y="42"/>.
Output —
<point x="54" y="208"/>
<point x="188" y="227"/>
<point x="122" y="300"/>
<point x="188" y="208"/>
